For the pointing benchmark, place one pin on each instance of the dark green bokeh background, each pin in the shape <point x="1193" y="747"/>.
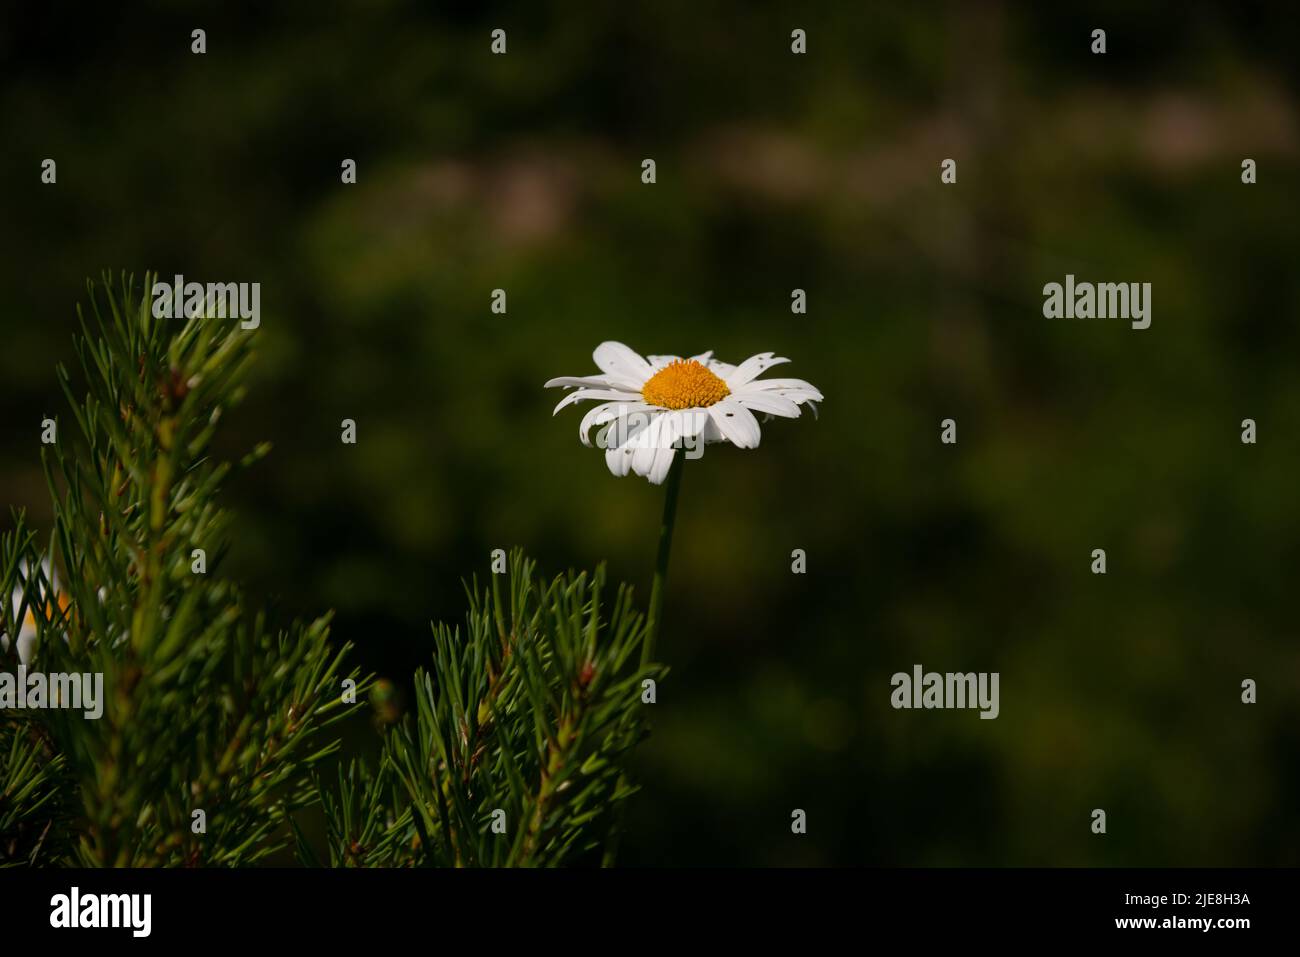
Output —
<point x="774" y="171"/>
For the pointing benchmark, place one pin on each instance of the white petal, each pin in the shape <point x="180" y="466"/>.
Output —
<point x="736" y="423"/>
<point x="619" y="460"/>
<point x="604" y="413"/>
<point x="618" y="455"/>
<point x="617" y="359"/>
<point x="625" y="428"/>
<point x="694" y="424"/>
<point x="663" y="462"/>
<point x="792" y="385"/>
<point x="703" y="358"/>
<point x="752" y="367"/>
<point x="769" y="402"/>
<point x="658" y="362"/>
<point x="648" y="443"/>
<point x="671" y="430"/>
<point x="670" y="433"/>
<point x="577" y="395"/>
<point x="593" y="381"/>
<point x="691" y="422"/>
<point x="26" y="642"/>
<point x="795" y="396"/>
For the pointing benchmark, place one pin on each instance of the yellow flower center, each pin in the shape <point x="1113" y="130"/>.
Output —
<point x="684" y="384"/>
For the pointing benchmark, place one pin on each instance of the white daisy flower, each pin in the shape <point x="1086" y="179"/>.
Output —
<point x="656" y="405"/>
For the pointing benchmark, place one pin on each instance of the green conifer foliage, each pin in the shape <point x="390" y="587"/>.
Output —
<point x="514" y="755"/>
<point x="215" y="732"/>
<point x="212" y="718"/>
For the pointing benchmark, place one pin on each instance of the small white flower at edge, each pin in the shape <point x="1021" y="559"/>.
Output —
<point x="39" y="604"/>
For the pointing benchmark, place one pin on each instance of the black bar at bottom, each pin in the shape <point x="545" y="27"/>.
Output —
<point x="365" y="908"/>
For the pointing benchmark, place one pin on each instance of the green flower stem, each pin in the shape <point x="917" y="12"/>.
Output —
<point x="672" y="487"/>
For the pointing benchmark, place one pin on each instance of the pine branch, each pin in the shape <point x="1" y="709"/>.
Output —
<point x="522" y="726"/>
<point x="520" y="733"/>
<point x="208" y="713"/>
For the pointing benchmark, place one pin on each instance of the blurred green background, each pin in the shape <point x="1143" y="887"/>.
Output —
<point x="775" y="171"/>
